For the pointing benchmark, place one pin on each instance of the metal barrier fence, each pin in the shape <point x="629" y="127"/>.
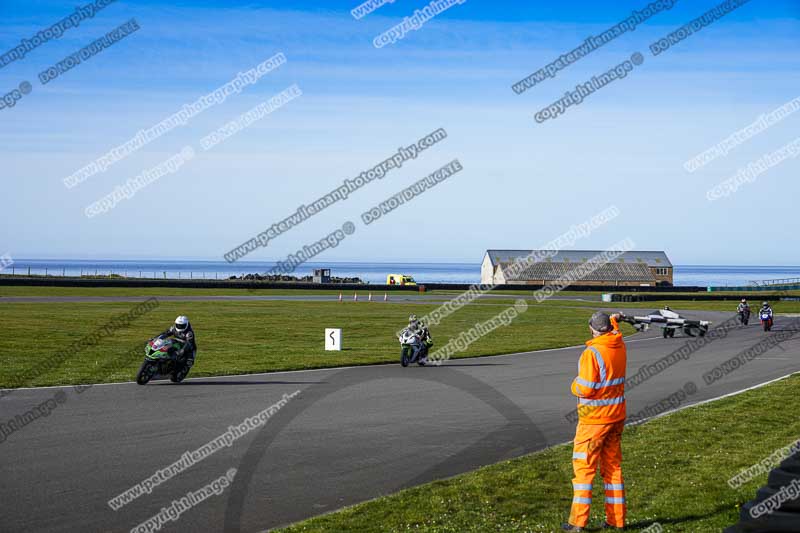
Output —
<point x="27" y="271"/>
<point x="776" y="282"/>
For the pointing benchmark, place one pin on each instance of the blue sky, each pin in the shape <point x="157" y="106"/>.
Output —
<point x="523" y="183"/>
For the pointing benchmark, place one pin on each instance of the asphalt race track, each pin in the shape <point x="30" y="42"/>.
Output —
<point x="350" y="435"/>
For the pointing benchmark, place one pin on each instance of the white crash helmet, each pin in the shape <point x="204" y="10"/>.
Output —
<point x="413" y="321"/>
<point x="182" y="323"/>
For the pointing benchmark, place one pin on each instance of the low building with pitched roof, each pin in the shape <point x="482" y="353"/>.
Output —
<point x="634" y="268"/>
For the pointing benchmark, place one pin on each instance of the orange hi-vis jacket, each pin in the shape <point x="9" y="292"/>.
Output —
<point x="600" y="385"/>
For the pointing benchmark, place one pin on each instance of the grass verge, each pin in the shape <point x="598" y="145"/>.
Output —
<point x="676" y="470"/>
<point x="250" y="337"/>
<point x="146" y="292"/>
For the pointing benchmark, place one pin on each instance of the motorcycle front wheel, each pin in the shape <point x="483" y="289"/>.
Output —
<point x="405" y="356"/>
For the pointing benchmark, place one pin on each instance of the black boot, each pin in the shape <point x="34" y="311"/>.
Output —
<point x="184" y="364"/>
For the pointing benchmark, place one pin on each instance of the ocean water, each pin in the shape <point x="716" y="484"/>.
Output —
<point x="368" y="272"/>
<point x="702" y="275"/>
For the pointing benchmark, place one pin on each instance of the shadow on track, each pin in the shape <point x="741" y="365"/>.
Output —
<point x="518" y="436"/>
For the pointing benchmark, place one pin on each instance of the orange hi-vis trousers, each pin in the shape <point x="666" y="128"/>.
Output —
<point x="598" y="443"/>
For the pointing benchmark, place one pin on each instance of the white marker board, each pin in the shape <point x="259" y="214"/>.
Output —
<point x="333" y="339"/>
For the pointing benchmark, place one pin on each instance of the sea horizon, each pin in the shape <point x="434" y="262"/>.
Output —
<point x="368" y="271"/>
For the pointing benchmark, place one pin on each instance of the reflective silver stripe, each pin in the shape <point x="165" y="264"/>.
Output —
<point x="609" y="499"/>
<point x="615" y="486"/>
<point x="579" y="455"/>
<point x="605" y="401"/>
<point x="581" y="499"/>
<point x="602" y="384"/>
<point x="582" y="486"/>
<point x="600" y="363"/>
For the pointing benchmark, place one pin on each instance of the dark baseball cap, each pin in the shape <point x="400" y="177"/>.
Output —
<point x="601" y="322"/>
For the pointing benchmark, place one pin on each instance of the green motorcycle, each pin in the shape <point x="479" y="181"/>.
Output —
<point x="161" y="357"/>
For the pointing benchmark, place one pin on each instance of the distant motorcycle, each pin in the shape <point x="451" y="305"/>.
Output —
<point x="160" y="357"/>
<point x="744" y="316"/>
<point x="412" y="349"/>
<point x="766" y="321"/>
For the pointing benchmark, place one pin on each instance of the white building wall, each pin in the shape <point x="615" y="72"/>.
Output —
<point x="487" y="274"/>
<point x="499" y="276"/>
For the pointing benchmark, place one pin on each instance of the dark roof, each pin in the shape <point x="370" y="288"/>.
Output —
<point x="599" y="272"/>
<point x="650" y="258"/>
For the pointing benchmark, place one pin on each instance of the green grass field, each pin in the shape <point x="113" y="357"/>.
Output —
<point x="20" y="290"/>
<point x="676" y="470"/>
<point x="265" y="336"/>
<point x="24" y="290"/>
<point x="250" y="337"/>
